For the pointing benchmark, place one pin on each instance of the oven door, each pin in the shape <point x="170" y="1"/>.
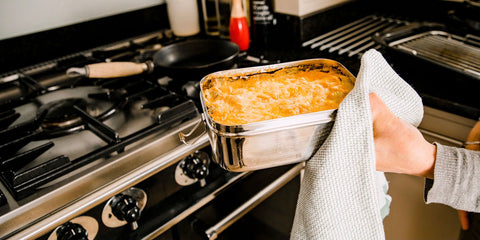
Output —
<point x="262" y="204"/>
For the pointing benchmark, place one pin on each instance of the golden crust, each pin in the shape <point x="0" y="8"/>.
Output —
<point x="286" y="92"/>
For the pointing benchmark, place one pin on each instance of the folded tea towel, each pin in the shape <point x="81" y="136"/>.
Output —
<point x="341" y="192"/>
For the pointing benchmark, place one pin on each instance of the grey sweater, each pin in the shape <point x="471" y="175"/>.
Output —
<point x="456" y="180"/>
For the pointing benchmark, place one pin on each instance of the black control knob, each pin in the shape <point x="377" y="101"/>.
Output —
<point x="125" y="207"/>
<point x="71" y="231"/>
<point x="195" y="166"/>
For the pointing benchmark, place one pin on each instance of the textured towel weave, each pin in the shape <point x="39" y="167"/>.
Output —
<point x="339" y="192"/>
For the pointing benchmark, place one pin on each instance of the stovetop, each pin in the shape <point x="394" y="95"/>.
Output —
<point x="64" y="138"/>
<point x="55" y="124"/>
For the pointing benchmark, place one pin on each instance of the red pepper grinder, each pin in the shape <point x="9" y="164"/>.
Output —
<point x="239" y="32"/>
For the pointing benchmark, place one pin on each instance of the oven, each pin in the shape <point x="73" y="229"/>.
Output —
<point x="98" y="158"/>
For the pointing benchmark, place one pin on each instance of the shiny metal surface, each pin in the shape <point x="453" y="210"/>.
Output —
<point x="445" y="49"/>
<point x="109" y="218"/>
<point x="194" y="207"/>
<point x="181" y="178"/>
<point x="273" y="142"/>
<point x="269" y="149"/>
<point x="90" y="224"/>
<point x="215" y="230"/>
<point x="97" y="185"/>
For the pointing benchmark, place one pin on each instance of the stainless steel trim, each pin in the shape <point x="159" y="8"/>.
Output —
<point x="215" y="230"/>
<point x="36" y="218"/>
<point x="194" y="207"/>
<point x="452" y="141"/>
<point x="471" y="72"/>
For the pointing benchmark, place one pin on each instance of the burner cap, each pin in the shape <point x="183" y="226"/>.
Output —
<point x="61" y="113"/>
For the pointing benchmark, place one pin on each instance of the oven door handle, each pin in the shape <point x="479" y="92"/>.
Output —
<point x="215" y="230"/>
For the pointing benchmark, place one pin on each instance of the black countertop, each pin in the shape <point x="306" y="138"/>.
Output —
<point x="449" y="93"/>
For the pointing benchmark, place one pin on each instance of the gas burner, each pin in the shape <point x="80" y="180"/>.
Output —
<point x="62" y="114"/>
<point x="63" y="111"/>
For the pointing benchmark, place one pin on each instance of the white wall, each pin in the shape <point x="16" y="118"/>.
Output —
<point x="304" y="7"/>
<point x="20" y="17"/>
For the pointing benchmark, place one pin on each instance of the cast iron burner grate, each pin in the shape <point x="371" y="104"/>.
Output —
<point x="21" y="182"/>
<point x="28" y="157"/>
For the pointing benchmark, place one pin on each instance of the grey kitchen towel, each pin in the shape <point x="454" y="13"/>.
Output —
<point x="338" y="196"/>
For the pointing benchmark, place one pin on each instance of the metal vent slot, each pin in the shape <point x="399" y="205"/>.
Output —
<point x="354" y="38"/>
<point x="445" y="49"/>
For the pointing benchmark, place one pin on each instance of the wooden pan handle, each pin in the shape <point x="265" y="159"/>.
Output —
<point x="111" y="69"/>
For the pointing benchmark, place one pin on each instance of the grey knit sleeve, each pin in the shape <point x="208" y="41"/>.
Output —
<point x="456" y="179"/>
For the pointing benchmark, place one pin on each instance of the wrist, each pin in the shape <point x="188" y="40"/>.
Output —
<point x="430" y="156"/>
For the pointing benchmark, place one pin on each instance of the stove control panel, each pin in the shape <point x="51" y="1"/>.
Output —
<point x="192" y="169"/>
<point x="124" y="208"/>
<point x="154" y="203"/>
<point x="79" y="228"/>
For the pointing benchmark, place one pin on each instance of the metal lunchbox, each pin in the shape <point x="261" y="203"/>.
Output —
<point x="274" y="142"/>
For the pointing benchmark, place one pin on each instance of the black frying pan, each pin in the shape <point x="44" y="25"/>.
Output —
<point x="192" y="58"/>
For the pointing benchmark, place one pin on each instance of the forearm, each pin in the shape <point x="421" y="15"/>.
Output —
<point x="456" y="179"/>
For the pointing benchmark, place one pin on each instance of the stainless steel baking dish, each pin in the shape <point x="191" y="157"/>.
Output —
<point x="273" y="142"/>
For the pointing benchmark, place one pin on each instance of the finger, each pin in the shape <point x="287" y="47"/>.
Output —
<point x="463" y="216"/>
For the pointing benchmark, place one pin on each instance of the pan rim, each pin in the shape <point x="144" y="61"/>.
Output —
<point x="234" y="47"/>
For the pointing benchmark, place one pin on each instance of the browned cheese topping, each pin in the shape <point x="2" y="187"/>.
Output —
<point x="286" y="92"/>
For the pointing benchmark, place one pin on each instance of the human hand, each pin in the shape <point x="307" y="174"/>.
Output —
<point x="399" y="147"/>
